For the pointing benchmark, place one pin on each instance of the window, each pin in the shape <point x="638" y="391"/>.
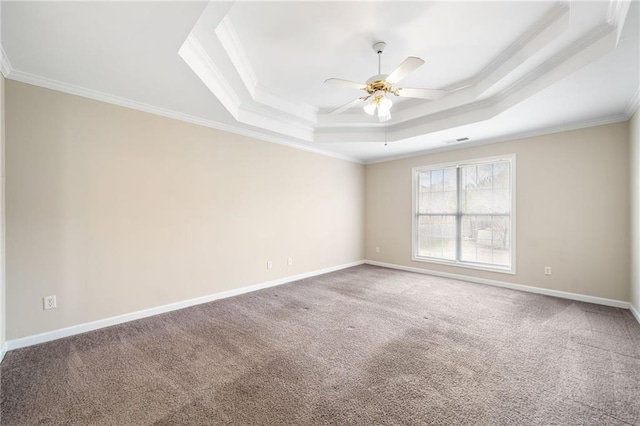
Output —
<point x="464" y="214"/>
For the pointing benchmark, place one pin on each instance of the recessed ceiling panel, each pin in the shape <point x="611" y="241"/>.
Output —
<point x="294" y="46"/>
<point x="529" y="67"/>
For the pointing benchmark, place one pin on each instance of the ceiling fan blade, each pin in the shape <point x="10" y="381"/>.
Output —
<point x="404" y="69"/>
<point x="347" y="83"/>
<point x="432" y="94"/>
<point x="349" y="105"/>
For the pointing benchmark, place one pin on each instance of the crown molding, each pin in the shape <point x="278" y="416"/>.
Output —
<point x="228" y="38"/>
<point x="5" y="64"/>
<point x="195" y="55"/>
<point x="301" y="110"/>
<point x="295" y="124"/>
<point x="592" y="45"/>
<point x="231" y="44"/>
<point x="549" y="130"/>
<point x="539" y="35"/>
<point x="617" y="14"/>
<point x="264" y="117"/>
<point x="584" y="50"/>
<point x="235" y="99"/>
<point x="633" y="104"/>
<point x="269" y="110"/>
<point x="71" y="89"/>
<point x="35" y="80"/>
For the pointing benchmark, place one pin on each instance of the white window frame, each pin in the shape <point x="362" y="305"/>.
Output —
<point x="469" y="265"/>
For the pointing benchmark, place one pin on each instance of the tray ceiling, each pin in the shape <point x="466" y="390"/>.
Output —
<point x="257" y="68"/>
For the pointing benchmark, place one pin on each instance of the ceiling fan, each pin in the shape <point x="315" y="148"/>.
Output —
<point x="380" y="85"/>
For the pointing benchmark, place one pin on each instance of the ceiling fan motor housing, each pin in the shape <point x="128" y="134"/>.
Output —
<point x="378" y="82"/>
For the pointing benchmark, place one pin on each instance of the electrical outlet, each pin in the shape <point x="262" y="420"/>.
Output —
<point x="547" y="270"/>
<point x="269" y="264"/>
<point x="290" y="261"/>
<point x="49" y="302"/>
<point x="377" y="249"/>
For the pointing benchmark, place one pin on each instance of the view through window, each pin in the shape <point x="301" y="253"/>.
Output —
<point x="464" y="213"/>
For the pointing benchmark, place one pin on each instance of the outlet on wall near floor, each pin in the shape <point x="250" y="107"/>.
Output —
<point x="547" y="270"/>
<point x="290" y="261"/>
<point x="269" y="264"/>
<point x="49" y="302"/>
<point x="377" y="249"/>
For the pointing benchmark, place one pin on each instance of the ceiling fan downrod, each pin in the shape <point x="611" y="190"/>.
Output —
<point x="378" y="47"/>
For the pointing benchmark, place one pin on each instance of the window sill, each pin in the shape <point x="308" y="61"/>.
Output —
<point x="502" y="270"/>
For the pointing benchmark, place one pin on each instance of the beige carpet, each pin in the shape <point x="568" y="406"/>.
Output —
<point x="362" y="346"/>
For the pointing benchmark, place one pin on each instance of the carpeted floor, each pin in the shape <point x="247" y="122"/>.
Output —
<point x="363" y="346"/>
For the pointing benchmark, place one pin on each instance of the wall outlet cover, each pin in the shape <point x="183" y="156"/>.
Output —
<point x="49" y="302"/>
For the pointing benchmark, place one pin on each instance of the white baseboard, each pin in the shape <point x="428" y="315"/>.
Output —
<point x="106" y="322"/>
<point x="95" y="325"/>
<point x="495" y="283"/>
<point x="635" y="312"/>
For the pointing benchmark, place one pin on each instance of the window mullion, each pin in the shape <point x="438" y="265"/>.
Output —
<point x="488" y="225"/>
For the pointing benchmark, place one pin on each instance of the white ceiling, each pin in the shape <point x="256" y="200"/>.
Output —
<point x="257" y="68"/>
<point x="334" y="40"/>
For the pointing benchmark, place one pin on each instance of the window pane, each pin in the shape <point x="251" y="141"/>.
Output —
<point x="486" y="188"/>
<point x="437" y="191"/>
<point x="485" y="239"/>
<point x="501" y="201"/>
<point x="424" y="180"/>
<point x="485" y="175"/>
<point x="476" y="200"/>
<point x="501" y="175"/>
<point x="450" y="178"/>
<point x="437" y="180"/>
<point x="437" y="236"/>
<point x="464" y="213"/>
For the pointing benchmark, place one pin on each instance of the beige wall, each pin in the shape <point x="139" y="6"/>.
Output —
<point x="572" y="208"/>
<point x="635" y="209"/>
<point x="114" y="210"/>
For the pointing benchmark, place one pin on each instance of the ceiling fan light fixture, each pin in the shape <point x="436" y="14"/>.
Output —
<point x="378" y="86"/>
<point x="370" y="108"/>
<point x="381" y="103"/>
<point x="384" y="105"/>
<point x="384" y="115"/>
